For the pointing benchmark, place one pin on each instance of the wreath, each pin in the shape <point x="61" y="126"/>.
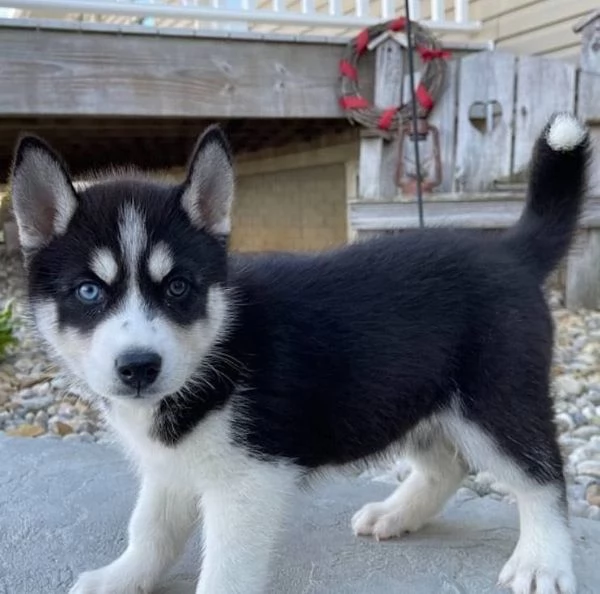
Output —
<point x="360" y="110"/>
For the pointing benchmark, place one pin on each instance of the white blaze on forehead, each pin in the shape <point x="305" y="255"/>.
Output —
<point x="104" y="265"/>
<point x="160" y="262"/>
<point x="132" y="237"/>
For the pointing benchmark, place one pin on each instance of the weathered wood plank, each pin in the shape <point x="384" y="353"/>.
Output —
<point x="66" y="73"/>
<point x="583" y="272"/>
<point x="543" y="87"/>
<point x="444" y="118"/>
<point x="589" y="59"/>
<point x="486" y="214"/>
<point x="378" y="157"/>
<point x="484" y="155"/>
<point x="588" y="110"/>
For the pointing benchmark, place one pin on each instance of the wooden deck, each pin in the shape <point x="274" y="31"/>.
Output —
<point x="98" y="71"/>
<point x="103" y="93"/>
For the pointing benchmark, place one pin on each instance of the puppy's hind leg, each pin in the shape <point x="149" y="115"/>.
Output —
<point x="523" y="454"/>
<point x="437" y="471"/>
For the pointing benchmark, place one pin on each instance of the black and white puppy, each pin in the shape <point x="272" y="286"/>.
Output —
<point x="229" y="379"/>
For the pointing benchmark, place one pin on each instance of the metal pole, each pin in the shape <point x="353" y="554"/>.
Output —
<point x="415" y="117"/>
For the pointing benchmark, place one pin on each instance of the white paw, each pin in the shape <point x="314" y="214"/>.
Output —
<point x="383" y="522"/>
<point x="107" y="580"/>
<point x="524" y="574"/>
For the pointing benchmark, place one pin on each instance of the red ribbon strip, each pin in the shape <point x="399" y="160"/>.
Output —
<point x="346" y="69"/>
<point x="427" y="54"/>
<point x="362" y="41"/>
<point x="423" y="97"/>
<point x="386" y="118"/>
<point x="352" y="102"/>
<point x="397" y="24"/>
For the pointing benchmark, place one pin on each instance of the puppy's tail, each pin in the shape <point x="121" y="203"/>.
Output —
<point x="557" y="187"/>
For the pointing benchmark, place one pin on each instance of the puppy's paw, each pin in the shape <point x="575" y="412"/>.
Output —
<point x="107" y="581"/>
<point x="383" y="521"/>
<point x="366" y="517"/>
<point x="524" y="574"/>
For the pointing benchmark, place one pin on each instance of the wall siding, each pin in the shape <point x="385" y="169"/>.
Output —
<point x="296" y="209"/>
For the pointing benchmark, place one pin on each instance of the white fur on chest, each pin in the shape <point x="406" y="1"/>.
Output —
<point x="203" y="458"/>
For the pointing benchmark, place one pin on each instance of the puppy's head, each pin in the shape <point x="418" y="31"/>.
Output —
<point x="127" y="275"/>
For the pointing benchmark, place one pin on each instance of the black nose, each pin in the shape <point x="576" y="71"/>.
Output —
<point x="138" y="369"/>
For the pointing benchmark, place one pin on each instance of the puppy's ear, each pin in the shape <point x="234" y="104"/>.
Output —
<point x="209" y="188"/>
<point x="42" y="194"/>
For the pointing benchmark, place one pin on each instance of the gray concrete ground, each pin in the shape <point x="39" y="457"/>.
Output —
<point x="64" y="508"/>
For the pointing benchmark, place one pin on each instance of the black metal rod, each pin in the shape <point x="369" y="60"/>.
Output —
<point x="415" y="115"/>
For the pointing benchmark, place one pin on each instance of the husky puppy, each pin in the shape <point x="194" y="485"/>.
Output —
<point x="231" y="379"/>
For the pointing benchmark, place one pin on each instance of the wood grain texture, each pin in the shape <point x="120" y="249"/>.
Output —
<point x="472" y="214"/>
<point x="543" y="88"/>
<point x="590" y="50"/>
<point x="588" y="109"/>
<point x="582" y="288"/>
<point x="66" y="73"/>
<point x="379" y="157"/>
<point x="444" y="118"/>
<point x="484" y="156"/>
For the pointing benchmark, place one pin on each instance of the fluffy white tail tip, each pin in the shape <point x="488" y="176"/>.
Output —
<point x="566" y="132"/>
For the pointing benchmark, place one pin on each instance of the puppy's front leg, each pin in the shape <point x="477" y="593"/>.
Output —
<point x="241" y="523"/>
<point x="158" y="530"/>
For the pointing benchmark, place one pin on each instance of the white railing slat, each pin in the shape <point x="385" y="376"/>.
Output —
<point x="362" y="8"/>
<point x="437" y="10"/>
<point x="414" y="8"/>
<point x="461" y="11"/>
<point x="308" y="6"/>
<point x="335" y="7"/>
<point x="387" y="9"/>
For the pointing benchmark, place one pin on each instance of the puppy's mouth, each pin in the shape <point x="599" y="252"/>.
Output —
<point x="139" y="394"/>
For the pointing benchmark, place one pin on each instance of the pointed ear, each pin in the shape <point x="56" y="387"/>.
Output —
<point x="209" y="188"/>
<point x="42" y="195"/>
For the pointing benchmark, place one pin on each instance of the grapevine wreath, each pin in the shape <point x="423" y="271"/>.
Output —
<point x="360" y="110"/>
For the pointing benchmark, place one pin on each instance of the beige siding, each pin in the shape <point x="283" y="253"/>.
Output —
<point x="538" y="27"/>
<point x="293" y="198"/>
<point x="301" y="209"/>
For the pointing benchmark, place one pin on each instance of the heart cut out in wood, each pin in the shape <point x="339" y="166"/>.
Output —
<point x="485" y="115"/>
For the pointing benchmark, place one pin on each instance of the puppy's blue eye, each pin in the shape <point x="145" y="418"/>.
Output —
<point x="177" y="288"/>
<point x="89" y="293"/>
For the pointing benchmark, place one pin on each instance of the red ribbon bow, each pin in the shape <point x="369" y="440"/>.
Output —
<point x="427" y="54"/>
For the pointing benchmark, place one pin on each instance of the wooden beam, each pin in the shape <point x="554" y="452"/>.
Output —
<point x="471" y="214"/>
<point x="50" y="73"/>
<point x="378" y="156"/>
<point x="583" y="273"/>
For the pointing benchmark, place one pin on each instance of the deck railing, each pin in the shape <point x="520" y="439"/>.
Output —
<point x="333" y="15"/>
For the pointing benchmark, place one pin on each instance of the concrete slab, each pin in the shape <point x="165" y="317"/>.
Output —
<point x="64" y="507"/>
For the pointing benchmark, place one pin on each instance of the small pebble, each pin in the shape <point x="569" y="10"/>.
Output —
<point x="565" y="422"/>
<point x="593" y="512"/>
<point x="592" y="494"/>
<point x="41" y="418"/>
<point x="586" y="431"/>
<point x="568" y="386"/>
<point x="589" y="468"/>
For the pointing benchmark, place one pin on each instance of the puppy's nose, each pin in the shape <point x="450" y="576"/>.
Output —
<point x="138" y="369"/>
